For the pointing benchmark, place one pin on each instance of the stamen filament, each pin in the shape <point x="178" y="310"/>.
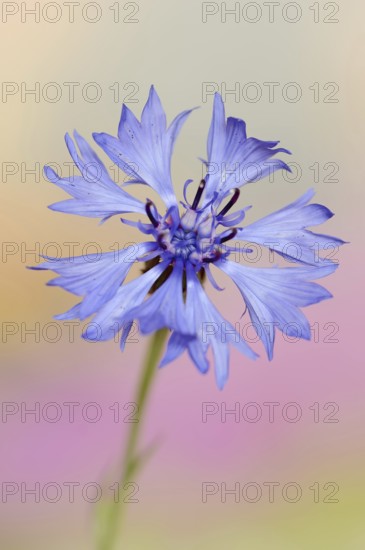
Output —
<point x="149" y="206"/>
<point x="230" y="203"/>
<point x="228" y="236"/>
<point x="198" y="195"/>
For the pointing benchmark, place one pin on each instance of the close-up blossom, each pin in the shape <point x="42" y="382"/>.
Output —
<point x="183" y="247"/>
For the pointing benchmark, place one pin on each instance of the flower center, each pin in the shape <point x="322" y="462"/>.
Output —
<point x="183" y="242"/>
<point x="193" y="236"/>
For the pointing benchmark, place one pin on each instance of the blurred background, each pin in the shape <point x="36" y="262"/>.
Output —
<point x="284" y="471"/>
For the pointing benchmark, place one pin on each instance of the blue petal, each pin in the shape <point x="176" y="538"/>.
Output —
<point x="178" y="343"/>
<point x="273" y="297"/>
<point x="73" y="313"/>
<point x="165" y="308"/>
<point x="115" y="314"/>
<point x="234" y="159"/>
<point x="211" y="330"/>
<point x="216" y="136"/>
<point x="175" y="347"/>
<point x="197" y="354"/>
<point x="97" y="277"/>
<point x="94" y="193"/>
<point x="284" y="232"/>
<point x="144" y="149"/>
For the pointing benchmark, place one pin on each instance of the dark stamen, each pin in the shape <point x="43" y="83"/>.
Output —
<point x="162" y="244"/>
<point x="212" y="259"/>
<point x="231" y="202"/>
<point x="198" y="195"/>
<point x="228" y="236"/>
<point x="149" y="206"/>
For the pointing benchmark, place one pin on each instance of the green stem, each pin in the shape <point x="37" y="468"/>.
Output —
<point x="131" y="459"/>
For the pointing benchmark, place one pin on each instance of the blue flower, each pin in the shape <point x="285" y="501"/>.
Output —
<point x="182" y="246"/>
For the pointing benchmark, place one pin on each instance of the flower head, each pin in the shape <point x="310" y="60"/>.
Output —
<point x="181" y="245"/>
